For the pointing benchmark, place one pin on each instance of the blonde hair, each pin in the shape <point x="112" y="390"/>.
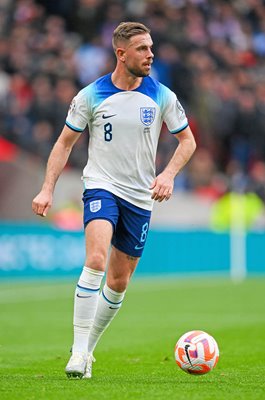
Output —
<point x="126" y="30"/>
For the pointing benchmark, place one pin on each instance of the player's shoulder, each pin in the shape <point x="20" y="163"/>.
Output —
<point x="101" y="82"/>
<point x="155" y="89"/>
<point x="154" y="83"/>
<point x="150" y="85"/>
<point x="96" y="91"/>
<point x="161" y="87"/>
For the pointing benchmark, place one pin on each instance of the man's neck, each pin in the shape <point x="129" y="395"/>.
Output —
<point x="124" y="81"/>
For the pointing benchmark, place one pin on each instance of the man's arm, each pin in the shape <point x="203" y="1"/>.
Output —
<point x="56" y="163"/>
<point x="163" y="184"/>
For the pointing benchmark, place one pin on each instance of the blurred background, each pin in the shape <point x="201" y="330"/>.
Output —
<point x="212" y="55"/>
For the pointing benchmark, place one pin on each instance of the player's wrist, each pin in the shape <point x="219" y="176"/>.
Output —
<point x="170" y="173"/>
<point x="48" y="188"/>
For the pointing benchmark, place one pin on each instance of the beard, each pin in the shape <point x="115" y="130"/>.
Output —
<point x="138" y="72"/>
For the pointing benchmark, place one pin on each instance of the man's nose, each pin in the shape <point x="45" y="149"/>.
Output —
<point x="150" y="54"/>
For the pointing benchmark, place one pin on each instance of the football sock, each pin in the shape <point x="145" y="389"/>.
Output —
<point x="108" y="305"/>
<point x="85" y="306"/>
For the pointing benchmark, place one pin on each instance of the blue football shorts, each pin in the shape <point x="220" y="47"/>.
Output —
<point x="130" y="223"/>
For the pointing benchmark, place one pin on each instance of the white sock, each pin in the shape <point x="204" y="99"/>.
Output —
<point x="108" y="305"/>
<point x="85" y="306"/>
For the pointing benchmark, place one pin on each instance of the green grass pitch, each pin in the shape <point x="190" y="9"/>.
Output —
<point x="135" y="356"/>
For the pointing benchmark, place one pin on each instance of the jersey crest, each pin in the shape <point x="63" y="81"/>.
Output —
<point x="147" y="115"/>
<point x="95" y="205"/>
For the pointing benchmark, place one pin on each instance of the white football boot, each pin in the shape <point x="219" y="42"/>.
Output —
<point x="88" y="371"/>
<point x="76" y="366"/>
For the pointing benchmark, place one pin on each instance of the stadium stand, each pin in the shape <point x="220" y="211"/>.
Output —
<point x="211" y="53"/>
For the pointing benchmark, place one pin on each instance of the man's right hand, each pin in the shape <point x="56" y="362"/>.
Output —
<point x="42" y="203"/>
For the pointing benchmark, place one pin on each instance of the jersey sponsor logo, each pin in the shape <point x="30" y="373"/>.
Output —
<point x="147" y="115"/>
<point x="104" y="116"/>
<point x="95" y="205"/>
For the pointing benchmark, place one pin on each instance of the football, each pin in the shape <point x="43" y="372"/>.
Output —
<point x="196" y="352"/>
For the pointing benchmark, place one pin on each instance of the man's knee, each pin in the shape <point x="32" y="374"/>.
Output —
<point x="96" y="260"/>
<point x="119" y="284"/>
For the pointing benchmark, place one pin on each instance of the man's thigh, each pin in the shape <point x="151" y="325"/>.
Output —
<point x="132" y="229"/>
<point x="98" y="234"/>
<point x="101" y="214"/>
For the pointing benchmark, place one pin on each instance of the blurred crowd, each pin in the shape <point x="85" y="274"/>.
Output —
<point x="210" y="53"/>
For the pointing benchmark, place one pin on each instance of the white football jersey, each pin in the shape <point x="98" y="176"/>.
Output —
<point x="124" y="129"/>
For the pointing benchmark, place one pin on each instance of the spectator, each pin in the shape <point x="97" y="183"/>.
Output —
<point x="211" y="54"/>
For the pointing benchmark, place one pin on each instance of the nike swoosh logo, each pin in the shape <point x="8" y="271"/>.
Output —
<point x="114" y="308"/>
<point x="138" y="247"/>
<point x="83" y="297"/>
<point x="187" y="353"/>
<point x="108" y="116"/>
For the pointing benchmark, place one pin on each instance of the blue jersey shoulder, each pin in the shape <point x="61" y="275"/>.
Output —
<point x="103" y="88"/>
<point x="150" y="87"/>
<point x="156" y="90"/>
<point x="99" y="90"/>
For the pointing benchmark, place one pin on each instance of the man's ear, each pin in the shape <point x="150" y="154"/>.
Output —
<point x="120" y="53"/>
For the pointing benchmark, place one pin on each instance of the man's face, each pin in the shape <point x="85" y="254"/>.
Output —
<point x="138" y="55"/>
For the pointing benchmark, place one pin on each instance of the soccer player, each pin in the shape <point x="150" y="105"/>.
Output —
<point x="124" y="112"/>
